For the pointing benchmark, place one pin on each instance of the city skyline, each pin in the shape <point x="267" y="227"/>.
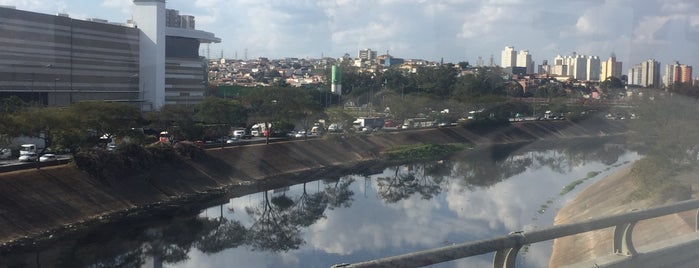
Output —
<point x="455" y="30"/>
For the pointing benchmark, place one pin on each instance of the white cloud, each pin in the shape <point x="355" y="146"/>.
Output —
<point x="125" y="6"/>
<point x="648" y="27"/>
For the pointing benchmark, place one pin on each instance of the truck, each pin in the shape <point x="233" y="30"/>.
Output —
<point x="259" y="129"/>
<point x="368" y="123"/>
<point x="419" y="123"/>
<point x="26" y="144"/>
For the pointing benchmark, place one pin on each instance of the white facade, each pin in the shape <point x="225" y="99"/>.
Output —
<point x="524" y="59"/>
<point x="634" y="76"/>
<point x="149" y="17"/>
<point x="508" y="57"/>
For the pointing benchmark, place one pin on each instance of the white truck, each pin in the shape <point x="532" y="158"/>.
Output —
<point x="368" y="123"/>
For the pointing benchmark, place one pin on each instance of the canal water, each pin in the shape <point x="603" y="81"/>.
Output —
<point x="401" y="209"/>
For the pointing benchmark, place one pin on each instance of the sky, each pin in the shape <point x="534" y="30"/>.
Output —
<point x="452" y="30"/>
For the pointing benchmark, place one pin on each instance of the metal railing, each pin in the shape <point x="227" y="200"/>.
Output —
<point x="506" y="247"/>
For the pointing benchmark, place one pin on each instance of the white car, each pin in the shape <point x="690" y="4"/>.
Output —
<point x="47" y="158"/>
<point x="29" y="157"/>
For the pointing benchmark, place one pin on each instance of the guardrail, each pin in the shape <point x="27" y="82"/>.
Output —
<point x="506" y="247"/>
<point x="30" y="165"/>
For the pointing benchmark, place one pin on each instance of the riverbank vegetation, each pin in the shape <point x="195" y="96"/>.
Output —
<point x="424" y="151"/>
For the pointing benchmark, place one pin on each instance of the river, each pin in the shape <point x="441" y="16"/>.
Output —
<point x="404" y="208"/>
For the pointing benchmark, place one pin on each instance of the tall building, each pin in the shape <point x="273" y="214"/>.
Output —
<point x="634" y="76"/>
<point x="677" y="73"/>
<point x="560" y="66"/>
<point x="524" y="59"/>
<point x="645" y="74"/>
<point x="592" y="70"/>
<point x="610" y="68"/>
<point x="57" y="60"/>
<point x="367" y="54"/>
<point x="544" y="68"/>
<point x="577" y="66"/>
<point x="509" y="58"/>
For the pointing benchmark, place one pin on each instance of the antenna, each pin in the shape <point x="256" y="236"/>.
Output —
<point x="246" y="54"/>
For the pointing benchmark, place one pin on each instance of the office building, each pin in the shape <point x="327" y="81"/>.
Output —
<point x="57" y="60"/>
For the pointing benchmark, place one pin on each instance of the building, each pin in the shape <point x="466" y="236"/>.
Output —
<point x="57" y="60"/>
<point x="592" y="71"/>
<point x="634" y="76"/>
<point x="677" y="73"/>
<point x="560" y="67"/>
<point x="367" y="54"/>
<point x="610" y="68"/>
<point x="544" y="68"/>
<point x="645" y="74"/>
<point x="509" y="58"/>
<point x="524" y="59"/>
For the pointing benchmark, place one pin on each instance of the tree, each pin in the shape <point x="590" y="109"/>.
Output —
<point x="279" y="106"/>
<point x="613" y="87"/>
<point x="110" y="119"/>
<point x="337" y="115"/>
<point x="40" y="123"/>
<point x="437" y="80"/>
<point x="219" y="111"/>
<point x="176" y="119"/>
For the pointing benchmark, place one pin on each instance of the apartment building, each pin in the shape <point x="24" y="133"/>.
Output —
<point x="677" y="73"/>
<point x="610" y="67"/>
<point x="645" y="74"/>
<point x="509" y="57"/>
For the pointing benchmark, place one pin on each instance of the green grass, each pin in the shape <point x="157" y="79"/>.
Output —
<point x="425" y="151"/>
<point x="571" y="186"/>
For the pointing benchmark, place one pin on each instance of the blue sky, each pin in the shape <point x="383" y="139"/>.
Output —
<point x="456" y="30"/>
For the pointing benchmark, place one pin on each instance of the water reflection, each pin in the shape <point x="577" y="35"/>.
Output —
<point x="470" y="196"/>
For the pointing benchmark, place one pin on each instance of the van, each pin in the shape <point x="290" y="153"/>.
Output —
<point x="238" y="133"/>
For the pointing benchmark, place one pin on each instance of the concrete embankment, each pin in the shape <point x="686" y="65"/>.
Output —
<point x="606" y="197"/>
<point x="38" y="203"/>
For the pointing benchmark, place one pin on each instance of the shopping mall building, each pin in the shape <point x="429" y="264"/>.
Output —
<point x="151" y="61"/>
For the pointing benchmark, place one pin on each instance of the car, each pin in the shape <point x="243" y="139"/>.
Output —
<point x="231" y="140"/>
<point x="28" y="157"/>
<point x="48" y="158"/>
<point x="238" y="133"/>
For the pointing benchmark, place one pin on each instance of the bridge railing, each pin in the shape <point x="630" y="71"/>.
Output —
<point x="506" y="247"/>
